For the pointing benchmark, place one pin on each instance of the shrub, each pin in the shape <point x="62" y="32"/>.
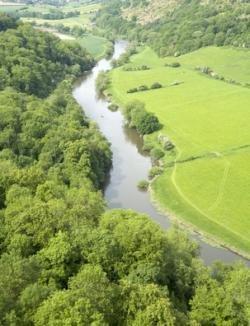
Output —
<point x="102" y="82"/>
<point x="144" y="67"/>
<point x="147" y="147"/>
<point x="136" y="115"/>
<point x="132" y="90"/>
<point x="148" y="123"/>
<point x="156" y="85"/>
<point x="156" y="153"/>
<point x="113" y="107"/>
<point x="173" y="64"/>
<point x="142" y="88"/>
<point x="143" y="185"/>
<point x="133" y="105"/>
<point x="154" y="171"/>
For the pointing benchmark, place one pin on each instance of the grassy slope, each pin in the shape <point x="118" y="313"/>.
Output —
<point x="204" y="117"/>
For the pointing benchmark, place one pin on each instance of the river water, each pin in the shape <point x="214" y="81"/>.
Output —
<point x="130" y="164"/>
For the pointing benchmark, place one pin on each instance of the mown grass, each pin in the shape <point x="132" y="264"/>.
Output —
<point x="205" y="118"/>
<point x="10" y="9"/>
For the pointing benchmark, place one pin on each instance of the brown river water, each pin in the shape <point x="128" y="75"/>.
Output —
<point x="130" y="164"/>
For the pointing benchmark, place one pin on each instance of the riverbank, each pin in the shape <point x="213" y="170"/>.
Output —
<point x="208" y="193"/>
<point x="130" y="162"/>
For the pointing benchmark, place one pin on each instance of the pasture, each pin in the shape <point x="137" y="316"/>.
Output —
<point x="83" y="20"/>
<point x="208" y="121"/>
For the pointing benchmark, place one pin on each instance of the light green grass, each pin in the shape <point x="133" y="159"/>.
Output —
<point x="227" y="62"/>
<point x="95" y="45"/>
<point x="10" y="9"/>
<point x="84" y="19"/>
<point x="206" y="118"/>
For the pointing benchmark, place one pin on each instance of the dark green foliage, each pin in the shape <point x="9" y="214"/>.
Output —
<point x="156" y="153"/>
<point x="34" y="62"/>
<point x="143" y="185"/>
<point x="142" y="88"/>
<point x="137" y="117"/>
<point x="132" y="90"/>
<point x="102" y="82"/>
<point x="156" y="85"/>
<point x="188" y="27"/>
<point x="113" y="107"/>
<point x="173" y="64"/>
<point x="6" y="22"/>
<point x="155" y="171"/>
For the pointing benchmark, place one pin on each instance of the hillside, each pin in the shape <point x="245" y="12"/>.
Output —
<point x="147" y="12"/>
<point x="180" y="26"/>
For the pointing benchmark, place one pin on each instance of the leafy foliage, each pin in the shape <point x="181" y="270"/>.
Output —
<point x="139" y="118"/>
<point x="189" y="26"/>
<point x="34" y="62"/>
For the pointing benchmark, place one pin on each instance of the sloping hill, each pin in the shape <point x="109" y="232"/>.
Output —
<point x="150" y="11"/>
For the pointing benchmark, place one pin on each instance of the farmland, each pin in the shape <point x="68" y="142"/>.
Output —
<point x="206" y="182"/>
<point x="83" y="20"/>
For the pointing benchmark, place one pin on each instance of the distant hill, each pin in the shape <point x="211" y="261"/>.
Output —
<point x="178" y="26"/>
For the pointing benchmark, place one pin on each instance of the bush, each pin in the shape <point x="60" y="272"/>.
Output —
<point x="143" y="185"/>
<point x="148" y="124"/>
<point x="136" y="115"/>
<point x="132" y="90"/>
<point x="173" y="64"/>
<point x="147" y="147"/>
<point x="133" y="105"/>
<point x="154" y="171"/>
<point x="102" y="82"/>
<point x="142" y="88"/>
<point x="144" y="67"/>
<point x="113" y="107"/>
<point x="156" y="85"/>
<point x="156" y="154"/>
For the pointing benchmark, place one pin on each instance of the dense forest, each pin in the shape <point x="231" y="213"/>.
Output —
<point x="65" y="259"/>
<point x="190" y="25"/>
<point x="34" y="62"/>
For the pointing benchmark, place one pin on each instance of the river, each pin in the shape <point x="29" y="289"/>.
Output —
<point x="130" y="164"/>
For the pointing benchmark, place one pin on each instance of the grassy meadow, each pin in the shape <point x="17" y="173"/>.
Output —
<point x="83" y="20"/>
<point x="208" y="121"/>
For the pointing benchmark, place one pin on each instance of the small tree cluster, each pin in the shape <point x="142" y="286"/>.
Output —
<point x="102" y="82"/>
<point x="143" y="88"/>
<point x="139" y="118"/>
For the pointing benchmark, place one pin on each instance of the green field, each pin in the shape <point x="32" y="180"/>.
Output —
<point x="10" y="9"/>
<point x="84" y="19"/>
<point x="208" y="119"/>
<point x="95" y="45"/>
